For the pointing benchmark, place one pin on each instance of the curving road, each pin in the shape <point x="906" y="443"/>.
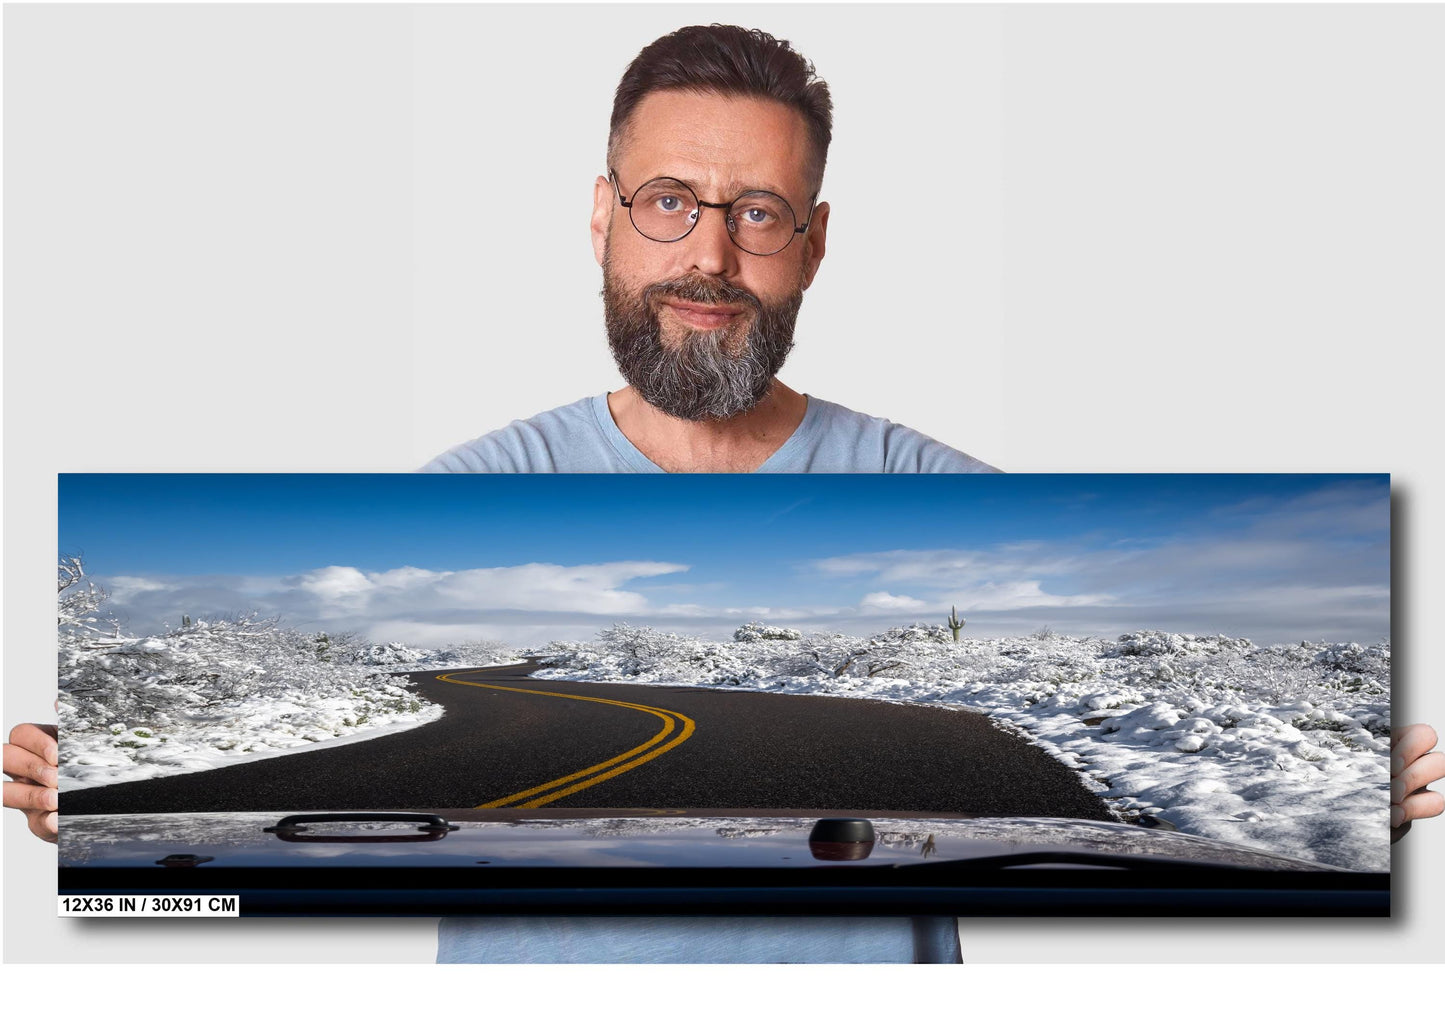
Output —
<point x="512" y="741"/>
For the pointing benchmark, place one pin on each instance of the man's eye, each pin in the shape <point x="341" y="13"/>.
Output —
<point x="669" y="204"/>
<point x="756" y="216"/>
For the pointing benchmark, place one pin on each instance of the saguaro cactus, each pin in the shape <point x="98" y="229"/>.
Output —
<point x="955" y="622"/>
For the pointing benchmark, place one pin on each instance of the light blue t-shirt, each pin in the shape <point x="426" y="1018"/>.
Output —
<point x="582" y="438"/>
<point x="698" y="940"/>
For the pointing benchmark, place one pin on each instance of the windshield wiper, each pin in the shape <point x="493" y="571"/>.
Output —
<point x="1117" y="861"/>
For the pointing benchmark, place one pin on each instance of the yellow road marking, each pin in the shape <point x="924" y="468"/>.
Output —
<point x="638" y="755"/>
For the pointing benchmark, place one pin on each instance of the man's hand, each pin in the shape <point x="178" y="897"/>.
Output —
<point x="32" y="759"/>
<point x="1412" y="768"/>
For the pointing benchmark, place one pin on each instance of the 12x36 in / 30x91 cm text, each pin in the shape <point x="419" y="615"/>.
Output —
<point x="149" y="906"/>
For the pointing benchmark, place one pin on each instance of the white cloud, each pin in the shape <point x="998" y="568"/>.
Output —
<point x="777" y="613"/>
<point x="948" y="567"/>
<point x="887" y="602"/>
<point x="335" y="588"/>
<point x="590" y="588"/>
<point x="1013" y="595"/>
<point x="405" y="578"/>
<point x="684" y="610"/>
<point x="122" y="587"/>
<point x="340" y="595"/>
<point x="988" y="596"/>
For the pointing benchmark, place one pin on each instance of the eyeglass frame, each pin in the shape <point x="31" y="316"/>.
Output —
<point x="797" y="229"/>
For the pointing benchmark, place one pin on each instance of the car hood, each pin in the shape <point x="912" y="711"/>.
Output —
<point x="590" y="838"/>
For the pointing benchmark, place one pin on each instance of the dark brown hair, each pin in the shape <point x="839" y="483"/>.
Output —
<point x="730" y="61"/>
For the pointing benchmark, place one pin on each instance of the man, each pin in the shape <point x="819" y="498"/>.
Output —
<point x="708" y="229"/>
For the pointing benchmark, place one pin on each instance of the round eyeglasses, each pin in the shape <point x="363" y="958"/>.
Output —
<point x="665" y="210"/>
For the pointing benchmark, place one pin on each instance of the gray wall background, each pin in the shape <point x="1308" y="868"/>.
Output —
<point x="344" y="238"/>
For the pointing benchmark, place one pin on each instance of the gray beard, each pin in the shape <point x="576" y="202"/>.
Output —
<point x="698" y="380"/>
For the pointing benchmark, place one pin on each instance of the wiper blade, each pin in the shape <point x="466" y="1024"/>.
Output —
<point x="1117" y="861"/>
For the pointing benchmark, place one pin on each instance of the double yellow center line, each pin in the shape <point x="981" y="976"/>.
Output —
<point x="676" y="728"/>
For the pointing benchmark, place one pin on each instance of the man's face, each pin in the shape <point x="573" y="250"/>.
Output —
<point x="699" y="327"/>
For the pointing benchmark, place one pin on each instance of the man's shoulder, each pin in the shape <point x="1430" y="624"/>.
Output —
<point x="551" y="441"/>
<point x="835" y="438"/>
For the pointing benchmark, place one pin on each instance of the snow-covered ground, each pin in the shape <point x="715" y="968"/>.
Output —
<point x="217" y="693"/>
<point x="1283" y="748"/>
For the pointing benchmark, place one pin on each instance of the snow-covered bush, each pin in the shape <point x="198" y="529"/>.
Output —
<point x="78" y="606"/>
<point x="628" y="651"/>
<point x="1352" y="657"/>
<point x="756" y="631"/>
<point x="400" y="657"/>
<point x="392" y="653"/>
<point x="913" y="633"/>
<point x="478" y="653"/>
<point x="1155" y="644"/>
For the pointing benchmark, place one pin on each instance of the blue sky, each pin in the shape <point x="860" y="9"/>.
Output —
<point x="430" y="559"/>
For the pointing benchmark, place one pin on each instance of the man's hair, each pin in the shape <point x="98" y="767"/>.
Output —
<point x="729" y="61"/>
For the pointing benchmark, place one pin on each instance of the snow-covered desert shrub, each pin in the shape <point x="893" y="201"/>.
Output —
<point x="913" y="633"/>
<point x="478" y="653"/>
<point x="756" y="631"/>
<point x="1352" y="657"/>
<point x="401" y="657"/>
<point x="78" y="606"/>
<point x="1158" y="644"/>
<point x="392" y="653"/>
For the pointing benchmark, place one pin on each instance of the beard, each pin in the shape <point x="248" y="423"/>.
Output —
<point x="701" y="377"/>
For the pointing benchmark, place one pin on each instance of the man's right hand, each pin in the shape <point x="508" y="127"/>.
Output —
<point x="32" y="759"/>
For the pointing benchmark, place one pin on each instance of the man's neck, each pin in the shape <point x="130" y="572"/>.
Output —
<point x="740" y="443"/>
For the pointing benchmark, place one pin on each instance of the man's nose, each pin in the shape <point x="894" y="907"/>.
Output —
<point x="710" y="248"/>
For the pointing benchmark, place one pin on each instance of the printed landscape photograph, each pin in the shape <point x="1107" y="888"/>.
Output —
<point x="702" y="692"/>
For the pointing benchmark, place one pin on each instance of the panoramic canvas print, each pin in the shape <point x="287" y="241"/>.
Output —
<point x="702" y="692"/>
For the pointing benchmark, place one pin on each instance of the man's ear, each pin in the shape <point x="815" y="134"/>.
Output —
<point x="816" y="241"/>
<point x="601" y="216"/>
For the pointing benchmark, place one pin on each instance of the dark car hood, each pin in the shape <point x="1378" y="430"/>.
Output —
<point x="586" y="838"/>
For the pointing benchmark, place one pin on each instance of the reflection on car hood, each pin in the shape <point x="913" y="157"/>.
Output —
<point x="618" y="839"/>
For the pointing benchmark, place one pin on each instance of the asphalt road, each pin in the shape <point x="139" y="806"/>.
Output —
<point x="511" y="741"/>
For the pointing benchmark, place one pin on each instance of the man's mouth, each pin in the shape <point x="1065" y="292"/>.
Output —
<point x="702" y="316"/>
